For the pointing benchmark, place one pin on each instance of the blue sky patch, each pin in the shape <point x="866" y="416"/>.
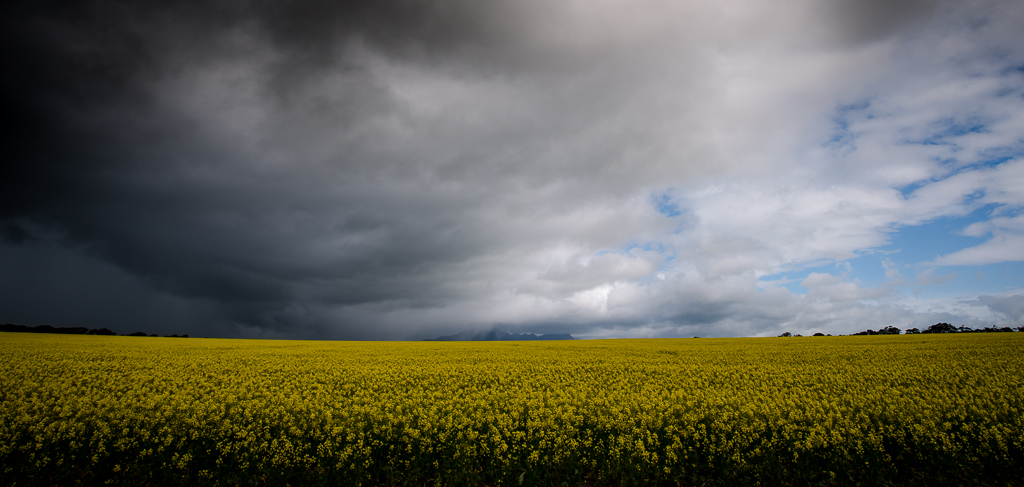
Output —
<point x="923" y="243"/>
<point x="666" y="205"/>
<point x="903" y="263"/>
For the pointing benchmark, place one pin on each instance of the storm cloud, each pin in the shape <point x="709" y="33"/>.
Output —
<point x="405" y="169"/>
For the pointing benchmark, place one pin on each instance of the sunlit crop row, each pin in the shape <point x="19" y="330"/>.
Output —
<point x="831" y="410"/>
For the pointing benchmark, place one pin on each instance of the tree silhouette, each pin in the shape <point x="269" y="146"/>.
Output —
<point x="941" y="328"/>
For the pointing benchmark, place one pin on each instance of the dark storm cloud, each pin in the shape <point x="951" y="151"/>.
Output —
<point x="96" y="158"/>
<point x="362" y="169"/>
<point x="15" y="234"/>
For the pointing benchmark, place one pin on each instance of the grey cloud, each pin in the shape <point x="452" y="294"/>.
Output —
<point x="873" y="20"/>
<point x="390" y="168"/>
<point x="1011" y="306"/>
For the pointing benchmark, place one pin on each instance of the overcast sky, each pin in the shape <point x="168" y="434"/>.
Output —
<point x="402" y="169"/>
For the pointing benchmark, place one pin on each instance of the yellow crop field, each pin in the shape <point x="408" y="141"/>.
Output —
<point x="922" y="409"/>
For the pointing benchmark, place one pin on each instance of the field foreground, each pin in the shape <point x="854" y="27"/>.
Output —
<point x="903" y="410"/>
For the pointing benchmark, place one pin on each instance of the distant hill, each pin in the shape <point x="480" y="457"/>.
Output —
<point x="497" y="336"/>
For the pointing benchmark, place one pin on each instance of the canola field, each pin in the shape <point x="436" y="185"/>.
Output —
<point x="868" y="410"/>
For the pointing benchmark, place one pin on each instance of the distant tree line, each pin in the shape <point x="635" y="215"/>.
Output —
<point x="75" y="330"/>
<point x="936" y="328"/>
<point x="889" y="330"/>
<point x="940" y="328"/>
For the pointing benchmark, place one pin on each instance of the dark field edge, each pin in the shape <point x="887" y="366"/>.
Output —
<point x="897" y="461"/>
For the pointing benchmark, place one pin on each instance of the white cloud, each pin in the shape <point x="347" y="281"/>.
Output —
<point x="1000" y="248"/>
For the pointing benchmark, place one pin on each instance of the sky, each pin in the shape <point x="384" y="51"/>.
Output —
<point x="404" y="169"/>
